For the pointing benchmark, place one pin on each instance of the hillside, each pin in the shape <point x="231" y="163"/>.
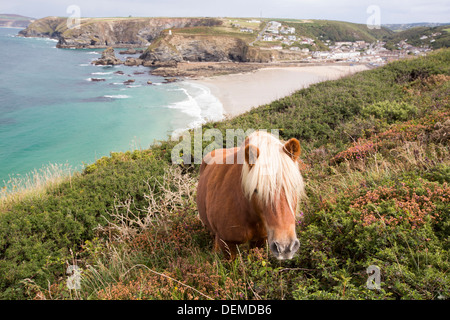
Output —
<point x="375" y="158"/>
<point x="14" y="20"/>
<point x="404" y="26"/>
<point x="338" y="30"/>
<point x="122" y="32"/>
<point x="433" y="37"/>
<point x="244" y="40"/>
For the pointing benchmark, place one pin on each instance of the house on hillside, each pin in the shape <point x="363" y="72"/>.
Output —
<point x="287" y="30"/>
<point x="307" y="41"/>
<point x="273" y="27"/>
<point x="248" y="30"/>
<point x="320" y="54"/>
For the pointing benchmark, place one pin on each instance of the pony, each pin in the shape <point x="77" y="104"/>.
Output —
<point x="250" y="194"/>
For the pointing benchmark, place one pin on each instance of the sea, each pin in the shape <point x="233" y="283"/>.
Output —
<point x="52" y="113"/>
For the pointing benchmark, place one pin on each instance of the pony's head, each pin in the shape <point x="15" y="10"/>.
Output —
<point x="273" y="184"/>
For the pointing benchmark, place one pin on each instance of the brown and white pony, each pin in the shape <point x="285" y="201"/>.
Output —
<point x="250" y="194"/>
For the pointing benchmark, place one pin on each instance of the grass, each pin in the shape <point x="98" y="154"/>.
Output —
<point x="33" y="184"/>
<point x="377" y="183"/>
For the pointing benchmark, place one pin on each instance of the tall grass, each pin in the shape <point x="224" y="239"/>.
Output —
<point x="33" y="184"/>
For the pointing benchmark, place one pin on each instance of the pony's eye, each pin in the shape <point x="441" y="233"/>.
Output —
<point x="256" y="191"/>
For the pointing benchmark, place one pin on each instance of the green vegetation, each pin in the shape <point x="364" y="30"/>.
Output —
<point x="378" y="194"/>
<point x="216" y="31"/>
<point x="337" y="30"/>
<point x="413" y="35"/>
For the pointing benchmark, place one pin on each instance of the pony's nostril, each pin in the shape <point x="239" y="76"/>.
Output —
<point x="275" y="248"/>
<point x="294" y="246"/>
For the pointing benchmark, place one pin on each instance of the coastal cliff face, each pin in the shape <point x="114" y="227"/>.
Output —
<point x="105" y="32"/>
<point x="50" y="27"/>
<point x="169" y="49"/>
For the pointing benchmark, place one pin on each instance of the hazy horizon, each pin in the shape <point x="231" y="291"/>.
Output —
<point x="389" y="12"/>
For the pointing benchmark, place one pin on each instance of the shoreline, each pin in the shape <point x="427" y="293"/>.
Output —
<point x="241" y="92"/>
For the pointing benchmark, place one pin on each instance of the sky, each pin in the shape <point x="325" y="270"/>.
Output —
<point x="385" y="11"/>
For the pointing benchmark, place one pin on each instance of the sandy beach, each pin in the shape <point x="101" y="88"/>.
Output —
<point x="241" y="92"/>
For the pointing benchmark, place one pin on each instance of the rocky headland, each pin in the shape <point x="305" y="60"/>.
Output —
<point x="106" y="32"/>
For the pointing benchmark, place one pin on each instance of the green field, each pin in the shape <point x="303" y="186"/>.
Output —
<point x="375" y="159"/>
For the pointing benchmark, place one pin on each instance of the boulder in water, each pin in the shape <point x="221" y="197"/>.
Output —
<point x="108" y="58"/>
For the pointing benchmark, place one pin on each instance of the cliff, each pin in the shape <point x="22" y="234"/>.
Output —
<point x="105" y="32"/>
<point x="170" y="49"/>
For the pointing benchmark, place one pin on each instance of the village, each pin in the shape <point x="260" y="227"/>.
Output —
<point x="276" y="36"/>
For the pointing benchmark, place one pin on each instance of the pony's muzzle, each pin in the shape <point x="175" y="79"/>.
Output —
<point x="284" y="251"/>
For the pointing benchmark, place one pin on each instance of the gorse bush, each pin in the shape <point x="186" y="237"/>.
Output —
<point x="375" y="159"/>
<point x="391" y="111"/>
<point x="38" y="233"/>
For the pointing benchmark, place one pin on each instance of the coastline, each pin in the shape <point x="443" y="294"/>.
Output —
<point x="241" y="92"/>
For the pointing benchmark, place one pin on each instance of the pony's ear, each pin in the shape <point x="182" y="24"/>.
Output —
<point x="251" y="154"/>
<point x="292" y="148"/>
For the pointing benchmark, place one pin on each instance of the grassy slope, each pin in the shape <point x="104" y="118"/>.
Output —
<point x="413" y="35"/>
<point x="319" y="30"/>
<point x="338" y="30"/>
<point x="376" y="162"/>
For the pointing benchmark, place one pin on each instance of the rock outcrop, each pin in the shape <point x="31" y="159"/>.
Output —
<point x="133" y="61"/>
<point x="105" y="32"/>
<point x="108" y="58"/>
<point x="169" y="50"/>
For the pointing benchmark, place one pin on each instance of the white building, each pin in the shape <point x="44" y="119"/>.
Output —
<point x="287" y="30"/>
<point x="307" y="41"/>
<point x="345" y="55"/>
<point x="273" y="27"/>
<point x="320" y="54"/>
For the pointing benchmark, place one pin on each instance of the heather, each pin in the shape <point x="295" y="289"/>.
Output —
<point x="375" y="160"/>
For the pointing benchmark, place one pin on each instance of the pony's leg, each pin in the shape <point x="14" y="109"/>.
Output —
<point x="228" y="248"/>
<point x="217" y="246"/>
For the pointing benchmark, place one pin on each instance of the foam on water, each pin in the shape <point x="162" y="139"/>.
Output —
<point x="199" y="104"/>
<point x="102" y="72"/>
<point x="117" y="96"/>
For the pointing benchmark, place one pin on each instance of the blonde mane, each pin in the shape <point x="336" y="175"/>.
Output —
<point x="273" y="172"/>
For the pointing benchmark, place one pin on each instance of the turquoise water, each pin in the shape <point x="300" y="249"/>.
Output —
<point x="50" y="111"/>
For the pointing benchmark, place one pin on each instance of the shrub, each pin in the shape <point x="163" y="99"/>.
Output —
<point x="358" y="151"/>
<point x="391" y="111"/>
<point x="394" y="204"/>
